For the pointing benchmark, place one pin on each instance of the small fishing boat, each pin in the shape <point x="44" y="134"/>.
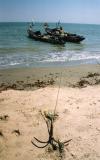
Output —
<point x="68" y="37"/>
<point x="45" y="37"/>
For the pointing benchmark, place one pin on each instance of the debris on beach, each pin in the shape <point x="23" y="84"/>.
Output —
<point x="21" y="85"/>
<point x="90" y="74"/>
<point x="82" y="83"/>
<point x="91" y="79"/>
<point x="4" y="117"/>
<point x="55" y="144"/>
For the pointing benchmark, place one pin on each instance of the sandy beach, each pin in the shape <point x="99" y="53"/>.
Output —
<point x="25" y="93"/>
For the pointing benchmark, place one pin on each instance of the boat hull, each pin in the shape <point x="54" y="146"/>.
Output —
<point x="45" y="38"/>
<point x="74" y="39"/>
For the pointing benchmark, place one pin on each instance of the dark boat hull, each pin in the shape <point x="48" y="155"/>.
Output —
<point x="44" y="38"/>
<point x="73" y="38"/>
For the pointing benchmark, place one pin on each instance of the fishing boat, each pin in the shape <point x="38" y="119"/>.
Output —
<point x="55" y="36"/>
<point x="45" y="37"/>
<point x="68" y="37"/>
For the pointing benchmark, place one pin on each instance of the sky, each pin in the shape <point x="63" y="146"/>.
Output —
<point x="67" y="11"/>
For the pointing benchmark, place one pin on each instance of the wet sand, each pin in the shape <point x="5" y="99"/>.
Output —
<point x="26" y="92"/>
<point x="34" y="78"/>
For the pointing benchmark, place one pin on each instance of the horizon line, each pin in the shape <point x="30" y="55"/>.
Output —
<point x="48" y="22"/>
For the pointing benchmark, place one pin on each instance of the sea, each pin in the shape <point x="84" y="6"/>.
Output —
<point x="17" y="50"/>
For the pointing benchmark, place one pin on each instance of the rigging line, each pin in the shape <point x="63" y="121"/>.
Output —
<point x="58" y="94"/>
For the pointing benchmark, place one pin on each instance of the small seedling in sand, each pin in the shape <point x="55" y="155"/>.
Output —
<point x="56" y="144"/>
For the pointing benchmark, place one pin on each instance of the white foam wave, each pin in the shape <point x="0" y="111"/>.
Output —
<point x="63" y="56"/>
<point x="70" y="56"/>
<point x="14" y="63"/>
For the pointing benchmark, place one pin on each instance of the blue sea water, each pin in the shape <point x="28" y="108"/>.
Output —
<point x="17" y="50"/>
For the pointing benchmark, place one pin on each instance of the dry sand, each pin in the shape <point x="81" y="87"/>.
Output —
<point x="78" y="109"/>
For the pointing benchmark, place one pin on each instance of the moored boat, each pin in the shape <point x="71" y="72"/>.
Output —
<point x="45" y="37"/>
<point x="68" y="37"/>
<point x="55" y="35"/>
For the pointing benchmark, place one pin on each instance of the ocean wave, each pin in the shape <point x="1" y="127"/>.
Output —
<point x="29" y="59"/>
<point x="70" y="56"/>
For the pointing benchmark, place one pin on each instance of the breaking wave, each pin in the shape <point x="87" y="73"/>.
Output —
<point x="70" y="56"/>
<point x="29" y="59"/>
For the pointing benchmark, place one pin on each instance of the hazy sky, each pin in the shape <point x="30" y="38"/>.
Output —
<point x="74" y="11"/>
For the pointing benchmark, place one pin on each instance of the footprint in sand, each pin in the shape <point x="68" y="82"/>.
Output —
<point x="66" y="111"/>
<point x="4" y="117"/>
<point x="16" y="132"/>
<point x="1" y="134"/>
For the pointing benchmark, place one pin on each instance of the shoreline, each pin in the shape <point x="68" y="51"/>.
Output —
<point x="34" y="78"/>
